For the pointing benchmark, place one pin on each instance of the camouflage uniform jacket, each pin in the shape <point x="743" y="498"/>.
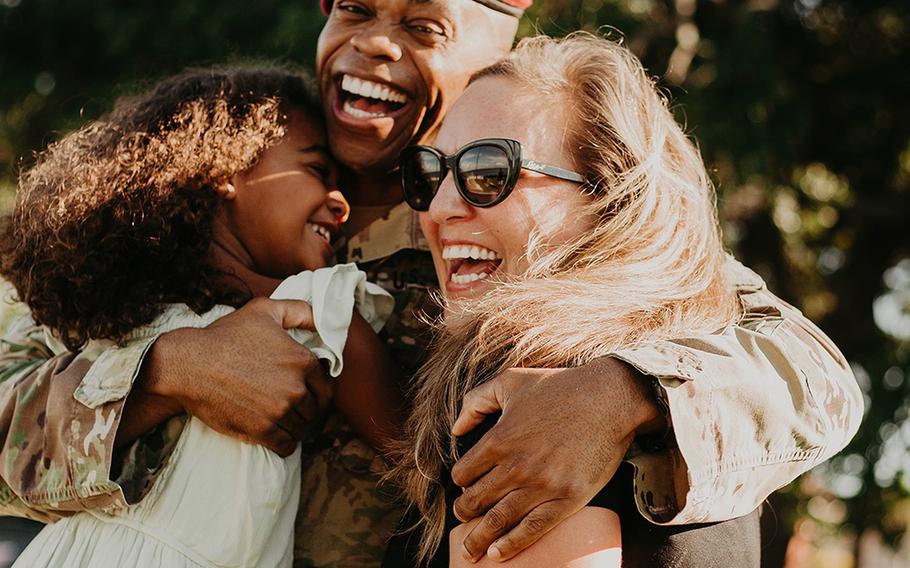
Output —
<point x="751" y="406"/>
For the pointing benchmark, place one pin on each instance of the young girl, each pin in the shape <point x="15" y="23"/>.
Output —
<point x="174" y="209"/>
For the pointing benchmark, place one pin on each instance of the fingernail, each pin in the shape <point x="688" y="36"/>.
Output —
<point x="466" y="554"/>
<point x="494" y="553"/>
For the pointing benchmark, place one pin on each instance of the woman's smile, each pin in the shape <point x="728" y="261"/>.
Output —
<point x="468" y="264"/>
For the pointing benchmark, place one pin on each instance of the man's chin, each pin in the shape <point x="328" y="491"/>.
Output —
<point x="365" y="155"/>
<point x="370" y="146"/>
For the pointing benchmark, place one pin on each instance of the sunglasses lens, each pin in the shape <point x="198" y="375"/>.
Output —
<point x="484" y="173"/>
<point x="421" y="174"/>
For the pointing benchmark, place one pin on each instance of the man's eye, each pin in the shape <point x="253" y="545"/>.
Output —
<point x="427" y="28"/>
<point x="352" y="9"/>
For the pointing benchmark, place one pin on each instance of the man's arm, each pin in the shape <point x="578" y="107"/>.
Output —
<point x="751" y="408"/>
<point x="52" y="448"/>
<point x="60" y="415"/>
<point x="243" y="375"/>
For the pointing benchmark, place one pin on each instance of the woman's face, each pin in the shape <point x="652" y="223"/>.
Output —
<point x="281" y="211"/>
<point x="496" y="107"/>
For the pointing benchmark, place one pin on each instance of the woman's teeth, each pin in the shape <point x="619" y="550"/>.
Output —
<point x="369" y="89"/>
<point x="468" y="251"/>
<point x="470" y="263"/>
<point x="321" y="231"/>
<point x="468" y="278"/>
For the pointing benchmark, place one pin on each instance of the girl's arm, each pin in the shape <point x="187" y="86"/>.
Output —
<point x="368" y="391"/>
<point x="588" y="539"/>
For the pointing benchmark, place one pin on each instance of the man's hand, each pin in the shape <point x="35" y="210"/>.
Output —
<point x="243" y="375"/>
<point x="561" y="437"/>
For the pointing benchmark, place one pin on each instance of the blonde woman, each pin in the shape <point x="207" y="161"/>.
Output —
<point x="568" y="216"/>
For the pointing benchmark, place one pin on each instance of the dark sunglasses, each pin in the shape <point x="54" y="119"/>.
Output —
<point x="485" y="171"/>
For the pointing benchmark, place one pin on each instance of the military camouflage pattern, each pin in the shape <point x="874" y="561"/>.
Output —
<point x="345" y="516"/>
<point x="56" y="452"/>
<point x="751" y="406"/>
<point x="394" y="254"/>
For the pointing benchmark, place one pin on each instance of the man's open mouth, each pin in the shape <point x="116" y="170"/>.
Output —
<point x="365" y="99"/>
<point x="469" y="263"/>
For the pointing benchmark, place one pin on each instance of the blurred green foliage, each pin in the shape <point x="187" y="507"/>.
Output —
<point x="800" y="108"/>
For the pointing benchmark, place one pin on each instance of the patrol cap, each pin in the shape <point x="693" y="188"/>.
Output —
<point x="511" y="7"/>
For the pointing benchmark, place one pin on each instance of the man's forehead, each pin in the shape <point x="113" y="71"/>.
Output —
<point x="441" y="6"/>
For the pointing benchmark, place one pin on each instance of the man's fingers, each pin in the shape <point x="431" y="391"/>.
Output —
<point x="283" y="448"/>
<point x="291" y="314"/>
<point x="272" y="437"/>
<point x="479" y="402"/>
<point x="321" y="387"/>
<point x="479" y="460"/>
<point x="483" y="494"/>
<point x="296" y="421"/>
<point x="538" y="522"/>
<point x="496" y="522"/>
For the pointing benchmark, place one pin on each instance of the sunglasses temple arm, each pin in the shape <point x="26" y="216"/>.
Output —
<point x="552" y="171"/>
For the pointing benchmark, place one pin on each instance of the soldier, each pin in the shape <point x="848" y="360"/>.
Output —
<point x="739" y="413"/>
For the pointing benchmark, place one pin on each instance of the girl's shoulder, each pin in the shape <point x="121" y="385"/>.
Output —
<point x="113" y="366"/>
<point x="174" y="316"/>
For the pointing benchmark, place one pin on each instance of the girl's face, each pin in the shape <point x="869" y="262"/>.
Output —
<point x="495" y="107"/>
<point x="282" y="212"/>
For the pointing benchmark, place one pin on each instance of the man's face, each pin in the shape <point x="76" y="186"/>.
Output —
<point x="390" y="69"/>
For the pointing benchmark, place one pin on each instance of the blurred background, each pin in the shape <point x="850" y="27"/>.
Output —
<point x="801" y="109"/>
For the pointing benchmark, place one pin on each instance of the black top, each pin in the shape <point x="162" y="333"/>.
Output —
<point x="721" y="545"/>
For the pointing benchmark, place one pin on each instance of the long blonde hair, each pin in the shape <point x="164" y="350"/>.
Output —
<point x="650" y="268"/>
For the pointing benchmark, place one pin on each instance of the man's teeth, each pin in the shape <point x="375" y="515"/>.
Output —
<point x="468" y="251"/>
<point x="467" y="278"/>
<point x="364" y="88"/>
<point x="321" y="231"/>
<point x="357" y="113"/>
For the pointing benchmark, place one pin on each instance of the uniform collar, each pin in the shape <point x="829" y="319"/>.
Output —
<point x="397" y="230"/>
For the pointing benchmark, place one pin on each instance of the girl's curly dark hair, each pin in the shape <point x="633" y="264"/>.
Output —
<point x="114" y="221"/>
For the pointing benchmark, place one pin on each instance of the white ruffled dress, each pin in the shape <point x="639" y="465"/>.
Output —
<point x="218" y="502"/>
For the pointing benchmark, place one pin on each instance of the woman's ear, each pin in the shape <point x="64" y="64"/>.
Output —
<point x="227" y="190"/>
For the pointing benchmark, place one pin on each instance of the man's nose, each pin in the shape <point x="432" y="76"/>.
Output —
<point x="376" y="42"/>
<point x="338" y="205"/>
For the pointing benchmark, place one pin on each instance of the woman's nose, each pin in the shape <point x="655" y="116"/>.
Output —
<point x="377" y="42"/>
<point x="338" y="205"/>
<point x="447" y="205"/>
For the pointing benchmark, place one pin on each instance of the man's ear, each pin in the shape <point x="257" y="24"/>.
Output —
<point x="227" y="190"/>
